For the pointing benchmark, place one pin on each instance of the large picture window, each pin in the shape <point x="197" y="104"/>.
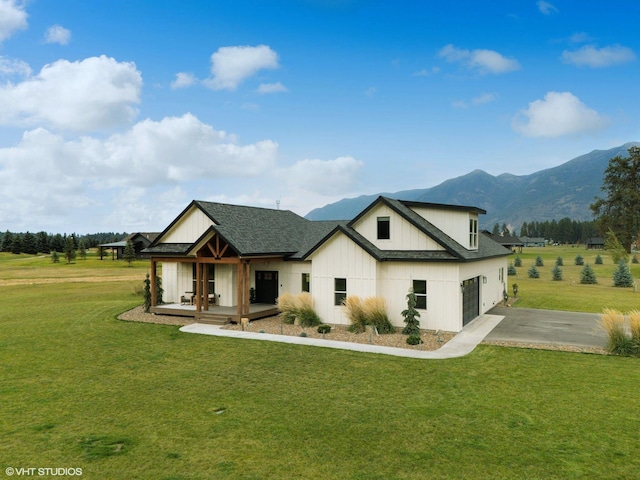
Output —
<point x="340" y="290"/>
<point x="384" y="228"/>
<point x="420" y="291"/>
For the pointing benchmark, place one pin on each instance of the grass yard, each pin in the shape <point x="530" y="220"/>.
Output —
<point x="120" y="400"/>
<point x="569" y="293"/>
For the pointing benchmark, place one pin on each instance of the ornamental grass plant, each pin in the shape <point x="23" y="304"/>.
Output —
<point x="298" y="307"/>
<point x="287" y="306"/>
<point x="370" y="311"/>
<point x="618" y="342"/>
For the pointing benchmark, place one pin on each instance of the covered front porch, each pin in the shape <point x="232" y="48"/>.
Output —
<point x="216" y="314"/>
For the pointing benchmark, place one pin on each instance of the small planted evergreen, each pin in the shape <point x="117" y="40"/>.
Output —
<point x="517" y="262"/>
<point x="533" y="272"/>
<point x="579" y="260"/>
<point x="622" y="276"/>
<point x="559" y="262"/>
<point x="556" y="273"/>
<point x="511" y="270"/>
<point x="539" y="262"/>
<point x="588" y="276"/>
<point x="598" y="260"/>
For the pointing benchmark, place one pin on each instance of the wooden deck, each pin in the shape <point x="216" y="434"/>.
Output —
<point x="216" y="315"/>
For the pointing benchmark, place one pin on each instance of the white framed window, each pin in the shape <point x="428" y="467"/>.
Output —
<point x="473" y="233"/>
<point x="384" y="228"/>
<point x="340" y="290"/>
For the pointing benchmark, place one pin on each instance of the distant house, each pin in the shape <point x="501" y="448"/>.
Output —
<point x="229" y="261"/>
<point x="533" y="241"/>
<point x="595" y="243"/>
<point x="140" y="242"/>
<point x="511" y="242"/>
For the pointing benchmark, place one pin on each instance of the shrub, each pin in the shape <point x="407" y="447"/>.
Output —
<point x="517" y="262"/>
<point x="612" y="322"/>
<point x="533" y="272"/>
<point x="304" y="310"/>
<point x="511" y="270"/>
<point x="355" y="314"/>
<point x="303" y="334"/>
<point x="556" y="273"/>
<point x="539" y="262"/>
<point x="287" y="307"/>
<point x="300" y="307"/>
<point x="370" y="311"/>
<point x="622" y="276"/>
<point x="375" y="309"/>
<point x="588" y="276"/>
<point x="413" y="339"/>
<point x="559" y="262"/>
<point x="324" y="329"/>
<point x="579" y="260"/>
<point x="598" y="260"/>
<point x="412" y="324"/>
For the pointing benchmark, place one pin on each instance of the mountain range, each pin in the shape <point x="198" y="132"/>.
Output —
<point x="551" y="194"/>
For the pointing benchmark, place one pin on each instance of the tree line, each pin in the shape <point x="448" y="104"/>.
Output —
<point x="561" y="231"/>
<point x="43" y="242"/>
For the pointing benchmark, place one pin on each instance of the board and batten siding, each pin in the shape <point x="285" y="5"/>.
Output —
<point x="403" y="235"/>
<point x="340" y="257"/>
<point x="491" y="292"/>
<point x="170" y="282"/>
<point x="444" y="307"/>
<point x="189" y="228"/>
<point x="291" y="276"/>
<point x="453" y="223"/>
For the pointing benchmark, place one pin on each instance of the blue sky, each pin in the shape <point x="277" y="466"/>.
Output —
<point x="114" y="115"/>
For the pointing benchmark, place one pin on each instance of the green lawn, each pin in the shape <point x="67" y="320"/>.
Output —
<point x="124" y="400"/>
<point x="569" y="293"/>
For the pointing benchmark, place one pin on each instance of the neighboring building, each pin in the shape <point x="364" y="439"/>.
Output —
<point x="533" y="241"/>
<point x="595" y="243"/>
<point x="511" y="242"/>
<point x="140" y="242"/>
<point x="241" y="256"/>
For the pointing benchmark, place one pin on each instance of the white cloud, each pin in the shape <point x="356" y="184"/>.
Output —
<point x="591" y="56"/>
<point x="231" y="65"/>
<point x="324" y="177"/>
<point x="483" y="98"/>
<point x="48" y="179"/>
<point x="183" y="80"/>
<point x="94" y="93"/>
<point x="12" y="18"/>
<point x="546" y="8"/>
<point x="559" y="114"/>
<point x="9" y="67"/>
<point x="57" y="34"/>
<point x="480" y="60"/>
<point x="271" y="88"/>
<point x="580" y="37"/>
<point x="426" y="73"/>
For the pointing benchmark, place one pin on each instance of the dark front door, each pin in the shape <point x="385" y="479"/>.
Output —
<point x="266" y="287"/>
<point x="470" y="300"/>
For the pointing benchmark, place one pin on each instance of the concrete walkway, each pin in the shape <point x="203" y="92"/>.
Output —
<point x="462" y="344"/>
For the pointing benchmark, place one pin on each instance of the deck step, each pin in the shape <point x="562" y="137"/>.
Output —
<point x="210" y="319"/>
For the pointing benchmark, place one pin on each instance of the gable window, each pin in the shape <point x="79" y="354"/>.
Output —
<point x="306" y="282"/>
<point x="473" y="233"/>
<point x="420" y="291"/>
<point x="340" y="290"/>
<point x="384" y="230"/>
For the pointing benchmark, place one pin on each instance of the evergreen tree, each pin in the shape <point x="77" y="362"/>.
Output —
<point x="539" y="262"/>
<point x="556" y="273"/>
<point x="42" y="242"/>
<point x="587" y="275"/>
<point x="579" y="260"/>
<point x="69" y="249"/>
<point x="598" y="260"/>
<point x="505" y="230"/>
<point x="622" y="276"/>
<point x="129" y="252"/>
<point x="16" y="243"/>
<point x="524" y="230"/>
<point x="618" y="211"/>
<point x="7" y="241"/>
<point x="54" y="257"/>
<point x="533" y="272"/>
<point x="517" y="262"/>
<point x="559" y="262"/>
<point x="411" y="315"/>
<point x="511" y="270"/>
<point x="57" y="243"/>
<point x="614" y="247"/>
<point x="496" y="230"/>
<point x="82" y="250"/>
<point x="159" y="291"/>
<point x="29" y="244"/>
<point x="147" y="294"/>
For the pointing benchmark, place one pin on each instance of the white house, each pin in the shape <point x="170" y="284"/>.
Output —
<point x="235" y="261"/>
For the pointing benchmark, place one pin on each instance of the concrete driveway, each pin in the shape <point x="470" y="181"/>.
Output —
<point x="528" y="325"/>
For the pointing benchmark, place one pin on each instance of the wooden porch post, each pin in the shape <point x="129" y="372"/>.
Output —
<point x="153" y="280"/>
<point x="247" y="282"/>
<point x="198" y="286"/>
<point x="205" y="285"/>
<point x="240" y="287"/>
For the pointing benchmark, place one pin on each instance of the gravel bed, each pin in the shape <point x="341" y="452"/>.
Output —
<point x="340" y="333"/>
